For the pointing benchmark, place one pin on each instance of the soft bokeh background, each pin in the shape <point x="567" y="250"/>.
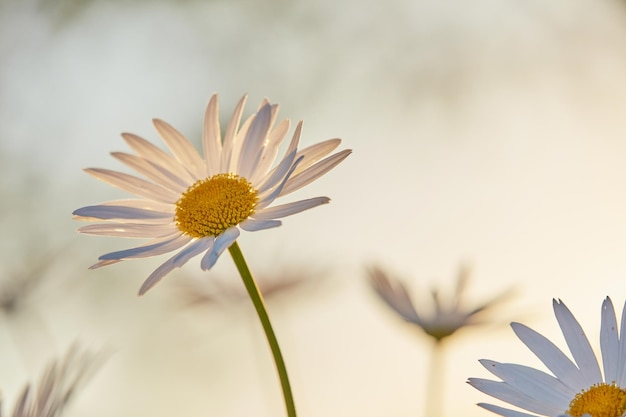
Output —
<point x="488" y="132"/>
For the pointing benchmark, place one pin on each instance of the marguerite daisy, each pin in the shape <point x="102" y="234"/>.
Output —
<point x="447" y="317"/>
<point x="574" y="388"/>
<point x="197" y="204"/>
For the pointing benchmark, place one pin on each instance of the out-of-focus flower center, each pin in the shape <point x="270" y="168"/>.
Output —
<point x="212" y="205"/>
<point x="601" y="400"/>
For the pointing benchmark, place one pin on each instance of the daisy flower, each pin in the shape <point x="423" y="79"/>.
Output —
<point x="574" y="388"/>
<point x="197" y="204"/>
<point x="58" y="385"/>
<point x="448" y="316"/>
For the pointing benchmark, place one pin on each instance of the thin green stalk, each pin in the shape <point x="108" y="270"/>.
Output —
<point x="259" y="305"/>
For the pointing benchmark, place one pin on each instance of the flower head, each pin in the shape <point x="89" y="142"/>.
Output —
<point x="193" y="204"/>
<point x="447" y="317"/>
<point x="574" y="388"/>
<point x="58" y="385"/>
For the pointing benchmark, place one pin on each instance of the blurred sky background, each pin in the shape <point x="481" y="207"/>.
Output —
<point x="490" y="133"/>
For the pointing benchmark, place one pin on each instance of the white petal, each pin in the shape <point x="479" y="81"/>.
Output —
<point x="104" y="263"/>
<point x="609" y="342"/>
<point x="270" y="150"/>
<point x="211" y="137"/>
<point x="504" y="411"/>
<point x="267" y="199"/>
<point x="228" y="144"/>
<point x="396" y="296"/>
<point x="551" y="356"/>
<point x="252" y="225"/>
<point x="238" y="141"/>
<point x="262" y="104"/>
<point x="505" y="392"/>
<point x="314" y="172"/>
<point x="269" y="181"/>
<point x="578" y="343"/>
<point x="130" y="230"/>
<point x="156" y="247"/>
<point x="277" y="175"/>
<point x="288" y="209"/>
<point x="315" y="152"/>
<point x="532" y="382"/>
<point x="222" y="242"/>
<point x="152" y="171"/>
<point x="142" y="204"/>
<point x="119" y="213"/>
<point x="176" y="261"/>
<point x="252" y="146"/>
<point x="621" y="380"/>
<point x="134" y="185"/>
<point x="152" y="153"/>
<point x="182" y="149"/>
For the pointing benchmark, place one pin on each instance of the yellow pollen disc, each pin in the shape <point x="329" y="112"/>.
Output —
<point x="212" y="205"/>
<point x="601" y="400"/>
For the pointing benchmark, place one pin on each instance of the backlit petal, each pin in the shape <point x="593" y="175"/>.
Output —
<point x="159" y="247"/>
<point x="150" y="152"/>
<point x="211" y="137"/>
<point x="182" y="149"/>
<point x="284" y="210"/>
<point x="314" y="172"/>
<point x="119" y="213"/>
<point x="252" y="225"/>
<point x="176" y="261"/>
<point x="577" y="343"/>
<point x="221" y="243"/>
<point x="609" y="342"/>
<point x="134" y="185"/>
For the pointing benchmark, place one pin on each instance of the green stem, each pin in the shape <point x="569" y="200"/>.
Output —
<point x="259" y="305"/>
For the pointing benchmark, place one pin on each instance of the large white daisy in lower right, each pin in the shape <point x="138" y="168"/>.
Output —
<point x="575" y="388"/>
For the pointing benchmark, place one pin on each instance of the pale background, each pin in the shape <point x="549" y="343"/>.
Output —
<point x="489" y="132"/>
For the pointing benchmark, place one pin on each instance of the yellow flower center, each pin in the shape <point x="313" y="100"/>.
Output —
<point x="601" y="400"/>
<point x="212" y="205"/>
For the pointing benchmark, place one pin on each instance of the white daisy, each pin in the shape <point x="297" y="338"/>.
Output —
<point x="448" y="316"/>
<point x="574" y="388"/>
<point x="199" y="205"/>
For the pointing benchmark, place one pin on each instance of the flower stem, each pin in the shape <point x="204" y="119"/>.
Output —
<point x="259" y="305"/>
<point x="435" y="380"/>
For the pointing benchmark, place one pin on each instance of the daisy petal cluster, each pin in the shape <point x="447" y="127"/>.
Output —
<point x="58" y="385"/>
<point x="572" y="388"/>
<point x="199" y="204"/>
<point x="448" y="316"/>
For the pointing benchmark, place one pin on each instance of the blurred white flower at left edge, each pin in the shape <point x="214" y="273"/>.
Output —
<point x="58" y="384"/>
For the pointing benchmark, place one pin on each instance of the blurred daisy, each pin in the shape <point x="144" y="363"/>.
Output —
<point x="58" y="385"/>
<point x="575" y="388"/>
<point x="194" y="204"/>
<point x="289" y="280"/>
<point x="445" y="318"/>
